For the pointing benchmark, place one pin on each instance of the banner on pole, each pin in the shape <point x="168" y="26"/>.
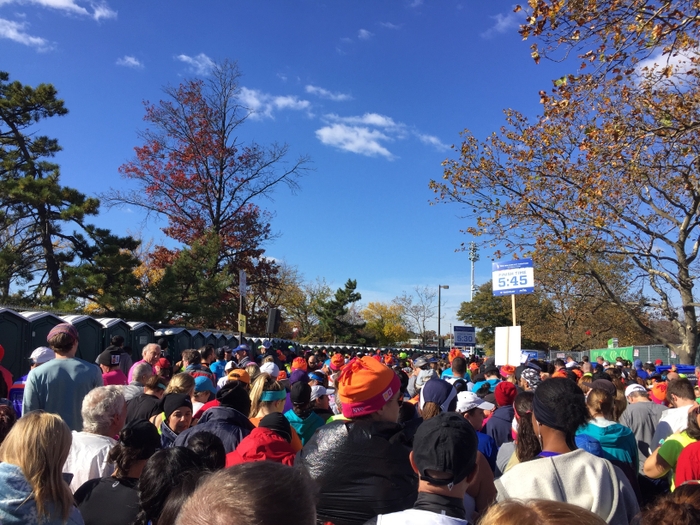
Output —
<point x="513" y="277"/>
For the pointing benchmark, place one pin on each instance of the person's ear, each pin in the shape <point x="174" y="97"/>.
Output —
<point x="413" y="463"/>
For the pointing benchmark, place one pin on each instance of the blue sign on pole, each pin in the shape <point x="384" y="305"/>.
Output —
<point x="465" y="336"/>
<point x="513" y="277"/>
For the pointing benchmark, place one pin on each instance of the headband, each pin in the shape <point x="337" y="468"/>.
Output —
<point x="544" y="416"/>
<point x="273" y="395"/>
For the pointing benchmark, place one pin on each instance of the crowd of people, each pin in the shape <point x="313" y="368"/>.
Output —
<point x="279" y="435"/>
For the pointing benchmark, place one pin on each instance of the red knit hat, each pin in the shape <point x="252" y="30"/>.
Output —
<point x="505" y="393"/>
<point x="365" y="386"/>
<point x="337" y="362"/>
<point x="299" y="363"/>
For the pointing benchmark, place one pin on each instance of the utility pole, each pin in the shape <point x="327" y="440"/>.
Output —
<point x="473" y="257"/>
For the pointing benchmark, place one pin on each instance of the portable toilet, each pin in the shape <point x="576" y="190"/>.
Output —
<point x="198" y="339"/>
<point x="40" y="324"/>
<point x="141" y="335"/>
<point x="220" y="340"/>
<point x="112" y="327"/>
<point x="231" y="341"/>
<point x="90" y="334"/>
<point x="14" y="330"/>
<point x="179" y="339"/>
<point x="210" y="338"/>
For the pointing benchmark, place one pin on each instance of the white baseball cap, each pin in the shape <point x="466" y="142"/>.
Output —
<point x="318" y="391"/>
<point x="468" y="400"/>
<point x="634" y="388"/>
<point x="230" y="365"/>
<point x="270" y="368"/>
<point x="42" y="355"/>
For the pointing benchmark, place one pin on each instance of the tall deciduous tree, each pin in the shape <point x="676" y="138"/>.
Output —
<point x="386" y="322"/>
<point x="418" y="309"/>
<point x="609" y="170"/>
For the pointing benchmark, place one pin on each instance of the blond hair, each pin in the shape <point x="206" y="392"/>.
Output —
<point x="263" y="383"/>
<point x="182" y="383"/>
<point x="253" y="371"/>
<point x="39" y="444"/>
<point x="539" y="512"/>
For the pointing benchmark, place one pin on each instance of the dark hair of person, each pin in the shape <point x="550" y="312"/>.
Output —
<point x="177" y="497"/>
<point x="193" y="357"/>
<point x="527" y="446"/>
<point x="163" y="343"/>
<point x="206" y="351"/>
<point x="407" y="412"/>
<point x="403" y="377"/>
<point x="565" y="404"/>
<point x="693" y="429"/>
<point x="4" y="388"/>
<point x="600" y="402"/>
<point x="163" y="472"/>
<point x="559" y="363"/>
<point x="61" y="343"/>
<point x="681" y="388"/>
<point x="245" y="490"/>
<point x="124" y="456"/>
<point x="153" y="382"/>
<point x="485" y="389"/>
<point x="209" y="448"/>
<point x="459" y="365"/>
<point x="460" y="385"/>
<point x="681" y="507"/>
<point x="117" y="340"/>
<point x="8" y="418"/>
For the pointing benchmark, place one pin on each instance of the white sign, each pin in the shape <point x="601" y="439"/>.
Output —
<point x="508" y="346"/>
<point x="513" y="277"/>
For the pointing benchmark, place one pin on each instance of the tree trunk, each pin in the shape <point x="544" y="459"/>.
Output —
<point x="53" y="278"/>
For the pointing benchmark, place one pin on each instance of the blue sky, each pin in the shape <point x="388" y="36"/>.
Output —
<point x="374" y="92"/>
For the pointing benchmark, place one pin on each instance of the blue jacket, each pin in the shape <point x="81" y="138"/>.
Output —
<point x="227" y="423"/>
<point x="304" y="427"/>
<point x="500" y="425"/>
<point x="617" y="441"/>
<point x="492" y="385"/>
<point x="17" y="507"/>
<point x="487" y="446"/>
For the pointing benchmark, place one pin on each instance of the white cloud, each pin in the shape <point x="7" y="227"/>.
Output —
<point x="96" y="10"/>
<point x="355" y="139"/>
<point x="263" y="105"/>
<point x="432" y="141"/>
<point x="505" y="22"/>
<point x="346" y="40"/>
<point x="368" y="119"/>
<point x="658" y="61"/>
<point x="415" y="3"/>
<point x="201" y="64"/>
<point x="324" y="93"/>
<point x="363" y="34"/>
<point x="282" y="77"/>
<point x="16" y="31"/>
<point x="129" y="61"/>
<point x="389" y="25"/>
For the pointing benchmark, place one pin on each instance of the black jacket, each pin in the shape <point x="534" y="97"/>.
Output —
<point x="499" y="426"/>
<point x="362" y="470"/>
<point x="227" y="423"/>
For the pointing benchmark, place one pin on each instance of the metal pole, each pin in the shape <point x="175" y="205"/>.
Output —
<point x="473" y="257"/>
<point x="438" y="334"/>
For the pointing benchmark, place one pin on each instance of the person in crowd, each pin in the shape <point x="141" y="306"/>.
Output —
<point x="108" y="361"/>
<point x="539" y="512"/>
<point x="688" y="465"/>
<point x="32" y="489"/>
<point x="419" y="364"/>
<point x="241" y="355"/>
<point x="664" y="459"/>
<point x="472" y="407"/>
<point x="140" y="373"/>
<point x="266" y="397"/>
<point x="244" y="491"/>
<point x="125" y="361"/>
<point x="681" y="507"/>
<point x="181" y="383"/>
<point x="564" y="473"/>
<point x="223" y="356"/>
<point x="444" y="458"/>
<point x="164" y="370"/>
<point x="208" y="354"/>
<point x="60" y="385"/>
<point x="526" y="446"/>
<point x="150" y="354"/>
<point x="193" y="365"/>
<point x="204" y="391"/>
<point x="39" y="356"/>
<point x="491" y="378"/>
<point x="163" y="473"/>
<point x="435" y="397"/>
<point x="270" y="441"/>
<point x="8" y="418"/>
<point x="680" y="396"/>
<point x="499" y="425"/>
<point x="360" y="465"/>
<point x="114" y="500"/>
<point x="177" y="417"/>
<point x="179" y="495"/>
<point x="146" y="405"/>
<point x="529" y="379"/>
<point x="210" y="450"/>
<point x="229" y="421"/>
<point x="320" y="402"/>
<point x="301" y="417"/>
<point x="104" y="415"/>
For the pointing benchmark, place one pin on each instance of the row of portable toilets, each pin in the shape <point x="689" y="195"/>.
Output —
<point x="22" y="332"/>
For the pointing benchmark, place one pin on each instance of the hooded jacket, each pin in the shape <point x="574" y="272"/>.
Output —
<point x="304" y="427"/>
<point x="578" y="478"/>
<point x="362" y="470"/>
<point x="262" y="444"/>
<point x="227" y="423"/>
<point x="17" y="505"/>
<point x="499" y="426"/>
<point x="617" y="441"/>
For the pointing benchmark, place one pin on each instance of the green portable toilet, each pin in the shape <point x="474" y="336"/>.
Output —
<point x="90" y="334"/>
<point x="179" y="339"/>
<point x="112" y="327"/>
<point x="14" y="330"/>
<point x="198" y="339"/>
<point x="40" y="324"/>
<point x="141" y="335"/>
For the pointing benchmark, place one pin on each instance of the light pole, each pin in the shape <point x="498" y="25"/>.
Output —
<point x="440" y="288"/>
<point x="473" y="257"/>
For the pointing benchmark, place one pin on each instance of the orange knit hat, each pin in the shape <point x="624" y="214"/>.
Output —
<point x="299" y="363"/>
<point x="658" y="392"/>
<point x="365" y="386"/>
<point x="455" y="352"/>
<point x="337" y="362"/>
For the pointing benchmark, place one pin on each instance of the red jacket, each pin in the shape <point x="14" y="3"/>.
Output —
<point x="262" y="444"/>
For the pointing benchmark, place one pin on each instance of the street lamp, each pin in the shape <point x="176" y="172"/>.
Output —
<point x="440" y="288"/>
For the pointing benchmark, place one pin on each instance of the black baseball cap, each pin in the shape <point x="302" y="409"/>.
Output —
<point x="446" y="443"/>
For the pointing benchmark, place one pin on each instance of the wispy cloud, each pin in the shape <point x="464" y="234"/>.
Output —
<point x="324" y="93"/>
<point x="415" y="3"/>
<point x="355" y="139"/>
<point x="389" y="25"/>
<point x="432" y="141"/>
<point x="263" y="105"/>
<point x="505" y="22"/>
<point x="363" y="34"/>
<point x="368" y="119"/>
<point x="201" y="64"/>
<point x="15" y="31"/>
<point x="657" y="63"/>
<point x="129" y="61"/>
<point x="95" y="10"/>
